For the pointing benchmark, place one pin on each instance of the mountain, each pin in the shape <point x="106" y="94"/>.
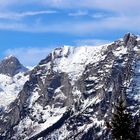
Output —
<point x="12" y="79"/>
<point x="11" y="66"/>
<point x="70" y="93"/>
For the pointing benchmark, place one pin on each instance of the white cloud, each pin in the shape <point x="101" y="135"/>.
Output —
<point x="29" y="56"/>
<point x="128" y="6"/>
<point x="98" y="15"/>
<point x="110" y="5"/>
<point x="78" y="27"/>
<point x="79" y="13"/>
<point x="120" y="7"/>
<point x="126" y="12"/>
<point x="87" y="13"/>
<point x="4" y="3"/>
<point x="18" y="15"/>
<point x="91" y="42"/>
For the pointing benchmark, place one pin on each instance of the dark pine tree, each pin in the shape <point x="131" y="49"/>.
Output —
<point x="121" y="123"/>
<point x="136" y="130"/>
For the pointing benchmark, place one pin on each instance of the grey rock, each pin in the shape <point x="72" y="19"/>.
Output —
<point x="11" y="66"/>
<point x="113" y="75"/>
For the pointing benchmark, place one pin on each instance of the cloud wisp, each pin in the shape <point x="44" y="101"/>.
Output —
<point x="78" y="13"/>
<point x="91" y="42"/>
<point x="19" y="15"/>
<point x="81" y="19"/>
<point x="29" y="56"/>
<point x="77" y="27"/>
<point x="119" y="18"/>
<point x="118" y="6"/>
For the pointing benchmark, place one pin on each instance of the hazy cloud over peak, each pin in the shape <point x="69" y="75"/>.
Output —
<point x="53" y="22"/>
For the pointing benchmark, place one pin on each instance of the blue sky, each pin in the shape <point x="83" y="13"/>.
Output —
<point x="31" y="29"/>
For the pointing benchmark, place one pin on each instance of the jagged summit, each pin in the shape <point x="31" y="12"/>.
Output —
<point x="130" y="38"/>
<point x="10" y="65"/>
<point x="10" y="56"/>
<point x="69" y="94"/>
<point x="67" y="52"/>
<point x="12" y="79"/>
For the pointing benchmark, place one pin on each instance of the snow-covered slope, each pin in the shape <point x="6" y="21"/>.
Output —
<point x="73" y="60"/>
<point x="10" y="87"/>
<point x="69" y="60"/>
<point x="12" y="79"/>
<point x="70" y="93"/>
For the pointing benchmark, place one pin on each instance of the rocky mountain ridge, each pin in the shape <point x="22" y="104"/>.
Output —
<point x="11" y="66"/>
<point x="12" y="78"/>
<point x="69" y="94"/>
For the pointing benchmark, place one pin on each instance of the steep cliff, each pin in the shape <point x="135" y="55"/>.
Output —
<point x="70" y="93"/>
<point x="12" y="78"/>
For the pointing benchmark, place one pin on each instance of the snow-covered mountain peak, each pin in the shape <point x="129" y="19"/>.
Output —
<point x="130" y="38"/>
<point x="10" y="56"/>
<point x="69" y="94"/>
<point x="11" y="66"/>
<point x="73" y="60"/>
<point x="12" y="79"/>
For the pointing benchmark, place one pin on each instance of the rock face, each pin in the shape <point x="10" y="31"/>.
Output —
<point x="70" y="94"/>
<point x="11" y="66"/>
<point x="12" y="79"/>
